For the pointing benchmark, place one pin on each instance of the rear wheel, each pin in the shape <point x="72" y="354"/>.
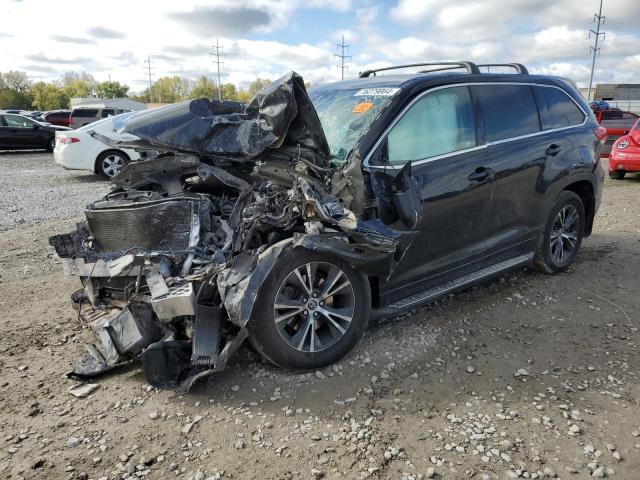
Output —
<point x="617" y="174"/>
<point x="563" y="234"/>
<point x="110" y="163"/>
<point x="311" y="311"/>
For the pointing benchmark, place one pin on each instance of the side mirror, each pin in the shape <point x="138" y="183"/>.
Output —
<point x="36" y="127"/>
<point x="407" y="198"/>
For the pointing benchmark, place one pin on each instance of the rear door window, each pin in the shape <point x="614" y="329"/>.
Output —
<point x="17" y="121"/>
<point x="558" y="110"/>
<point x="85" y="112"/>
<point x="618" y="119"/>
<point x="440" y="122"/>
<point x="106" y="112"/>
<point x="509" y="110"/>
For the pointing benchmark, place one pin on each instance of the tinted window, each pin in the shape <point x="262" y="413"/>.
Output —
<point x="16" y="121"/>
<point x="558" y="110"/>
<point x="85" y="112"/>
<point x="618" y="119"/>
<point x="509" y="110"/>
<point x="440" y="122"/>
<point x="106" y="112"/>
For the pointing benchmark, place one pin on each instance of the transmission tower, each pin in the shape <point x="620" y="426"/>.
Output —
<point x="595" y="49"/>
<point x="342" y="46"/>
<point x="148" y="69"/>
<point x="217" y="53"/>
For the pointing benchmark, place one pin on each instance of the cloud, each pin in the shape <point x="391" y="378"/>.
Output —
<point x="105" y="33"/>
<point x="77" y="40"/>
<point x="229" y="21"/>
<point x="191" y="50"/>
<point x="42" y="58"/>
<point x="5" y="35"/>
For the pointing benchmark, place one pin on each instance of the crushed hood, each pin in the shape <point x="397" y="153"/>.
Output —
<point x="280" y="116"/>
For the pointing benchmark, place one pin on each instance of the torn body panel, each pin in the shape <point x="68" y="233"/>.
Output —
<point x="173" y="259"/>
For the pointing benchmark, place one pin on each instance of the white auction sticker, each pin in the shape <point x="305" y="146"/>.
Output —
<point x="376" y="92"/>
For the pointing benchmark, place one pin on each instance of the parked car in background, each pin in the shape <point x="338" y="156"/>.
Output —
<point x="625" y="154"/>
<point x="84" y="116"/>
<point x="80" y="150"/>
<point x="19" y="132"/>
<point x="58" y="117"/>
<point x="617" y="123"/>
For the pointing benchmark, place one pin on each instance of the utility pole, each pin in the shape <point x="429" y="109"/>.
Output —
<point x="342" y="46"/>
<point x="595" y="49"/>
<point x="148" y="68"/>
<point x="218" y="53"/>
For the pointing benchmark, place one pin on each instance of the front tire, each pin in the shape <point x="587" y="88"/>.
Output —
<point x="51" y="145"/>
<point x="110" y="163"/>
<point x="563" y="234"/>
<point x="311" y="311"/>
<point x="617" y="174"/>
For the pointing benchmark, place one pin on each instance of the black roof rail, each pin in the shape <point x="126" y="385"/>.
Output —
<point x="518" y="67"/>
<point x="469" y="66"/>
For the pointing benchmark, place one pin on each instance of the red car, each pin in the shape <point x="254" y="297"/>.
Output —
<point x="617" y="123"/>
<point x="625" y="154"/>
<point x="58" y="117"/>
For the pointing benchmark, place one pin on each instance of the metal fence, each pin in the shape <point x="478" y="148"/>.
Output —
<point x="626" y="105"/>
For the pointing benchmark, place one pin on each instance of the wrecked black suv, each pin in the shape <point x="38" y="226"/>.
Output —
<point x="293" y="219"/>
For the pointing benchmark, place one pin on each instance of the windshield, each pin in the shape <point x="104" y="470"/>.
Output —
<point x="346" y="114"/>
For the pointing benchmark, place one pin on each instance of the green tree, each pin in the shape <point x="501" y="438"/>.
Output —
<point x="14" y="90"/>
<point x="170" y="90"/>
<point x="15" y="80"/>
<point x="48" y="96"/>
<point x="111" y="90"/>
<point x="257" y="85"/>
<point x="229" y="91"/>
<point x="78" y="85"/>
<point x="204" y="88"/>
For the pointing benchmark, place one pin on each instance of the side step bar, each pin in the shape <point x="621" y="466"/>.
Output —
<point x="400" y="306"/>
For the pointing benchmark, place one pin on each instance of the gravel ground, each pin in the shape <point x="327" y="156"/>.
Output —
<point x="35" y="188"/>
<point x="529" y="376"/>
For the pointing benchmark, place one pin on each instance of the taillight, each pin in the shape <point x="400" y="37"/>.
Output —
<point x="600" y="133"/>
<point x="64" y="140"/>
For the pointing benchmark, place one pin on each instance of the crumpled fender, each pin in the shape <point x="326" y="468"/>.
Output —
<point x="239" y="285"/>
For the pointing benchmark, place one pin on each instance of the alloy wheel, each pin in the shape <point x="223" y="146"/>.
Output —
<point x="314" y="306"/>
<point x="112" y="164"/>
<point x="564" y="234"/>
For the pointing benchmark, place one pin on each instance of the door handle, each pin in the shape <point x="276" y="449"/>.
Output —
<point x="553" y="150"/>
<point x="481" y="174"/>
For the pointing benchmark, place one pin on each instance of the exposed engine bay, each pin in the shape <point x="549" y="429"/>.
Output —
<point x="172" y="259"/>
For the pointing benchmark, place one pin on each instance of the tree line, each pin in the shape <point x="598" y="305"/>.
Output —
<point x="18" y="91"/>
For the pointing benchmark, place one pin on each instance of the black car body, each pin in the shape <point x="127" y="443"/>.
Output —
<point x="294" y="219"/>
<point x="18" y="132"/>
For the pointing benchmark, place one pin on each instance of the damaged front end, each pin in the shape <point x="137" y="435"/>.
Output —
<point x="172" y="259"/>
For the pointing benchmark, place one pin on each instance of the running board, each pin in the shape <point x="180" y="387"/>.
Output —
<point x="432" y="294"/>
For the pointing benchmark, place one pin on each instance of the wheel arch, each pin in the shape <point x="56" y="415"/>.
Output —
<point x="106" y="152"/>
<point x="584" y="189"/>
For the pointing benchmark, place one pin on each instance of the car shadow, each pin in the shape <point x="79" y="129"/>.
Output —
<point x="23" y="152"/>
<point x="87" y="178"/>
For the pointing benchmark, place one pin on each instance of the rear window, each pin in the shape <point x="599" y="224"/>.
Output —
<point x="618" y="119"/>
<point x="509" y="110"/>
<point x="558" y="110"/>
<point x="85" y="112"/>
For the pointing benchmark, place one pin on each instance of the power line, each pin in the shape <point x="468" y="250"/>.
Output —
<point x="342" y="56"/>
<point x="149" y="68"/>
<point x="595" y="49"/>
<point x="218" y="53"/>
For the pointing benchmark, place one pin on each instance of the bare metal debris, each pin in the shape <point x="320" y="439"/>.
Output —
<point x="172" y="259"/>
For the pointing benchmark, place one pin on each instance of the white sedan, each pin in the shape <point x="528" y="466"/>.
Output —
<point x="79" y="150"/>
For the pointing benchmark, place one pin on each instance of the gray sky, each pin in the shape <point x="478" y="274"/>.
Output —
<point x="267" y="38"/>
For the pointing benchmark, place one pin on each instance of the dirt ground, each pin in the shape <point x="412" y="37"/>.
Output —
<point x="530" y="376"/>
